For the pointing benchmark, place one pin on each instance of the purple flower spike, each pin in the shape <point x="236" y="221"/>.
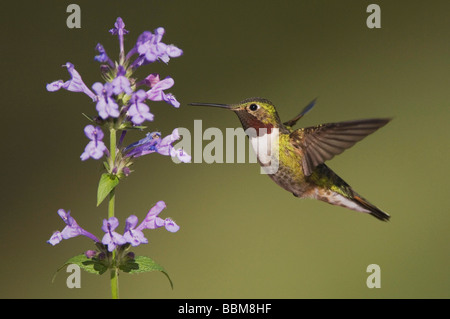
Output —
<point x="139" y="111"/>
<point x="111" y="238"/>
<point x="75" y="84"/>
<point x="71" y="230"/>
<point x="106" y="106"/>
<point x="95" y="148"/>
<point x="133" y="236"/>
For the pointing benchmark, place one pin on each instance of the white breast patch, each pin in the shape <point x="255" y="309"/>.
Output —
<point x="266" y="149"/>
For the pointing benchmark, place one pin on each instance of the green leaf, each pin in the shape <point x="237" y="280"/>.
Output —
<point x="90" y="265"/>
<point x="107" y="183"/>
<point x="142" y="264"/>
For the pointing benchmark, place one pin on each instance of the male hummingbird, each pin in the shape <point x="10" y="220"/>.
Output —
<point x="302" y="152"/>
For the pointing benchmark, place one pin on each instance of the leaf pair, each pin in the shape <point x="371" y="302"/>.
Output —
<point x="139" y="264"/>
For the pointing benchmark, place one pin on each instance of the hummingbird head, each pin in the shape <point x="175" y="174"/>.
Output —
<point x="252" y="112"/>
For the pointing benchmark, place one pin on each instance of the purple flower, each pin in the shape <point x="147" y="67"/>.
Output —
<point x="121" y="83"/>
<point x="171" y="52"/>
<point x="150" y="46"/>
<point x="139" y="111"/>
<point x="71" y="230"/>
<point x="95" y="148"/>
<point x="144" y="146"/>
<point x="133" y="236"/>
<point x="165" y="147"/>
<point x="75" y="84"/>
<point x="147" y="45"/>
<point x="152" y="143"/>
<point x="111" y="238"/>
<point x="106" y="105"/>
<point x="119" y="30"/>
<point x="152" y="221"/>
<point x="156" y="93"/>
<point x="103" y="57"/>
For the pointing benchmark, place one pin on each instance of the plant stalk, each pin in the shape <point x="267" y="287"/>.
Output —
<point x="111" y="207"/>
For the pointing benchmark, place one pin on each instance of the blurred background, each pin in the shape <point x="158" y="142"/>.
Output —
<point x="241" y="235"/>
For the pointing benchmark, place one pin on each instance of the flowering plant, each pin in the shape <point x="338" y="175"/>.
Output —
<point x="121" y="106"/>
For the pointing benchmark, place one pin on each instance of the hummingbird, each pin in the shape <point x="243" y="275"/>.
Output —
<point x="302" y="152"/>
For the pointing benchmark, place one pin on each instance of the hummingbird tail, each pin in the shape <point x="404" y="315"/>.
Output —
<point x="373" y="210"/>
<point x="352" y="201"/>
<point x="334" y="190"/>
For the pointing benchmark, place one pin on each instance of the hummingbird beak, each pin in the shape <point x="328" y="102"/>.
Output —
<point x="224" y="106"/>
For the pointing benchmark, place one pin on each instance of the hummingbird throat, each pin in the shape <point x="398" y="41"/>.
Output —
<point x="249" y="122"/>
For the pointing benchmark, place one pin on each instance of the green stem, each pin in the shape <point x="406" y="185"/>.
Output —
<point x="112" y="146"/>
<point x="111" y="202"/>
<point x="111" y="206"/>
<point x="114" y="282"/>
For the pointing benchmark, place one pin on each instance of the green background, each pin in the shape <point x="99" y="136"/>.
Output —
<point x="241" y="235"/>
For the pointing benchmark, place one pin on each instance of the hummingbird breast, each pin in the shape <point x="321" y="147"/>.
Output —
<point x="265" y="146"/>
<point x="280" y="160"/>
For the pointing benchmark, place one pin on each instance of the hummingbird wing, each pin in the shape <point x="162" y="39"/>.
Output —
<point x="305" y="110"/>
<point x="321" y="143"/>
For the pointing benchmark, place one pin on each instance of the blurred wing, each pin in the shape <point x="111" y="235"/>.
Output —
<point x="305" y="110"/>
<point x="323" y="142"/>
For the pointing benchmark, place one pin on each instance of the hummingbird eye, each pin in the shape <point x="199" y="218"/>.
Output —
<point x="253" y="107"/>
